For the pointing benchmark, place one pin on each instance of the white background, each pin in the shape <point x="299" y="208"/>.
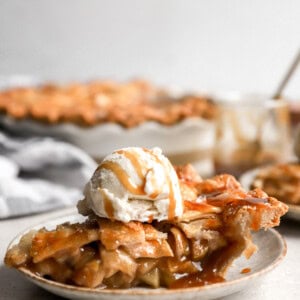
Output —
<point x="204" y="45"/>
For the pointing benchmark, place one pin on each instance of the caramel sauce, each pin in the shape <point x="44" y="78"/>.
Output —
<point x="108" y="207"/>
<point x="123" y="178"/>
<point x="133" y="157"/>
<point x="203" y="207"/>
<point x="155" y="194"/>
<point x="150" y="219"/>
<point x="213" y="223"/>
<point x="139" y="170"/>
<point x="196" y="280"/>
<point x="245" y="271"/>
<point x="172" y="203"/>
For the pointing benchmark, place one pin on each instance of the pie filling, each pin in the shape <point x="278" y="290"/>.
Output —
<point x="193" y="250"/>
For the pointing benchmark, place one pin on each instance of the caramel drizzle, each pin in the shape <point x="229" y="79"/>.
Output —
<point x="202" y="207"/>
<point x="154" y="194"/>
<point x="172" y="203"/>
<point x="108" y="207"/>
<point x="245" y="271"/>
<point x="133" y="158"/>
<point x="123" y="177"/>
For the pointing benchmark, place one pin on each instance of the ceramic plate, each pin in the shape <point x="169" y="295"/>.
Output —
<point x="246" y="180"/>
<point x="272" y="249"/>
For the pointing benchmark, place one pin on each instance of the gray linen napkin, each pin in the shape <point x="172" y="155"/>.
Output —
<point x="39" y="174"/>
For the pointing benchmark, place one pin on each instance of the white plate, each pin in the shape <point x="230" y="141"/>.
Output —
<point x="247" y="178"/>
<point x="272" y="249"/>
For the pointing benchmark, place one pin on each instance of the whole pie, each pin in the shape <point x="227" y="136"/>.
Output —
<point x="149" y="224"/>
<point x="86" y="104"/>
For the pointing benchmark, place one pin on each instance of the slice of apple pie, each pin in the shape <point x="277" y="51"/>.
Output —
<point x="172" y="229"/>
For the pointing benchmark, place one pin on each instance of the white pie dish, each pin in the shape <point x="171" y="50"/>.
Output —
<point x="190" y="140"/>
<point x="272" y="249"/>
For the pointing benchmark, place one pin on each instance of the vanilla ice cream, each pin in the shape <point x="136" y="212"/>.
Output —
<point x="135" y="184"/>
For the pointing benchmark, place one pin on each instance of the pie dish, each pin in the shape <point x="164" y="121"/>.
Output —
<point x="190" y="239"/>
<point x="101" y="116"/>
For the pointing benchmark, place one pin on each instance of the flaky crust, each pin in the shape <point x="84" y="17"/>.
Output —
<point x="87" y="104"/>
<point x="281" y="181"/>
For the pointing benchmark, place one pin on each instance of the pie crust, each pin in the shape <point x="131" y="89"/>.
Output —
<point x="87" y="104"/>
<point x="281" y="181"/>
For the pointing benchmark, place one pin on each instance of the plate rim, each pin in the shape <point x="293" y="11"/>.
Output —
<point x="138" y="291"/>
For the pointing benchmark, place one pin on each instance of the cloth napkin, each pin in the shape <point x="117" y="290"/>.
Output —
<point x="39" y="174"/>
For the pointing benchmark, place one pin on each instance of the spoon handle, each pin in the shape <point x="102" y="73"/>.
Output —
<point x="286" y="78"/>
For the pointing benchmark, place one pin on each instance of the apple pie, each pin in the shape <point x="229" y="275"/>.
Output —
<point x="193" y="249"/>
<point x="87" y="104"/>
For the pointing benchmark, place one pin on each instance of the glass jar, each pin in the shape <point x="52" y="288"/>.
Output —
<point x="251" y="131"/>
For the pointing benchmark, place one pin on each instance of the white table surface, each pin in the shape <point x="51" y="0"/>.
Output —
<point x="281" y="283"/>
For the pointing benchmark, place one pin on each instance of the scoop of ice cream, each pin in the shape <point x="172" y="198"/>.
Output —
<point x="135" y="184"/>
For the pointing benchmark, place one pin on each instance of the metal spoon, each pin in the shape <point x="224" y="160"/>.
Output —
<point x="290" y="71"/>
